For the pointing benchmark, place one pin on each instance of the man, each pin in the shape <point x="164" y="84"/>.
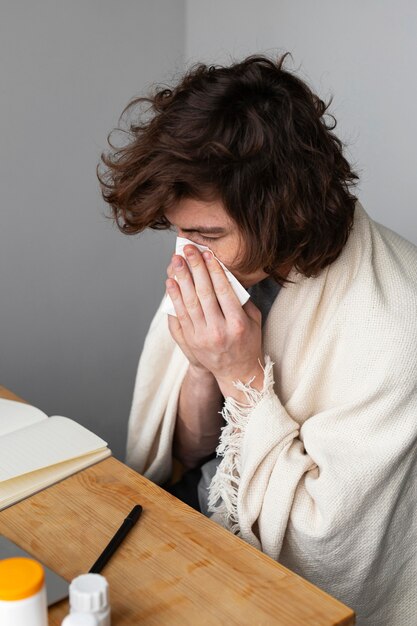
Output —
<point x="317" y="385"/>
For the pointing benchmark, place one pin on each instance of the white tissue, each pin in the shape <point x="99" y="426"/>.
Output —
<point x="239" y="289"/>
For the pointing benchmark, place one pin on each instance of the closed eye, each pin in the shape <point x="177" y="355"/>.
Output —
<point x="207" y="238"/>
<point x="187" y="231"/>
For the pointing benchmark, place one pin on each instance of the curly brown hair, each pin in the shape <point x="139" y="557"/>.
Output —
<point x="253" y="136"/>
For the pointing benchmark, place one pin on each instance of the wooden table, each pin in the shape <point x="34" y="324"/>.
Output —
<point x="175" y="567"/>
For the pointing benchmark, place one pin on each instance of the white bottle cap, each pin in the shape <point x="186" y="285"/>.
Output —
<point x="79" y="619"/>
<point x="89" y="593"/>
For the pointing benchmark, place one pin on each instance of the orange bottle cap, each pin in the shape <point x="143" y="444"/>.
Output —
<point x="20" y="578"/>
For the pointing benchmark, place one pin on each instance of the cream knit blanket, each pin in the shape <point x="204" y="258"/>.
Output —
<point x="319" y="470"/>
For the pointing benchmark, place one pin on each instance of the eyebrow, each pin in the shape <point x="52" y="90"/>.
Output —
<point x="212" y="230"/>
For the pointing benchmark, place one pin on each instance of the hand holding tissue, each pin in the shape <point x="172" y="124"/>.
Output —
<point x="239" y="290"/>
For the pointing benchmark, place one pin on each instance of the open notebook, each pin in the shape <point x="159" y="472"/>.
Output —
<point x="37" y="451"/>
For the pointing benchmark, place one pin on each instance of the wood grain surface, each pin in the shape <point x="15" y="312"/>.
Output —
<point x="175" y="567"/>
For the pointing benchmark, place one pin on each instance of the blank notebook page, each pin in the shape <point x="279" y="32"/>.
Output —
<point x="44" y="443"/>
<point x="15" y="415"/>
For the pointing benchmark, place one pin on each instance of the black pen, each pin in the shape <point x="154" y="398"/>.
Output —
<point x="115" y="542"/>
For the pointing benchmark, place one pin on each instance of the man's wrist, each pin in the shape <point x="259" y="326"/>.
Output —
<point x="200" y="373"/>
<point x="255" y="379"/>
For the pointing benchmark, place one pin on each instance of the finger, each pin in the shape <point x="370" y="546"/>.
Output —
<point x="203" y="284"/>
<point x="228" y="300"/>
<point x="175" y="329"/>
<point x="252" y="311"/>
<point x="178" y="336"/>
<point x="174" y="292"/>
<point x="189" y="296"/>
<point x="173" y="322"/>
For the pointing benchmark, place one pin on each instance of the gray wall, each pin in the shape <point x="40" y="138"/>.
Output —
<point x="76" y="296"/>
<point x="364" y="52"/>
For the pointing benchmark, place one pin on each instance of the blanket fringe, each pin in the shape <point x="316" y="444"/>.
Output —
<point x="224" y="487"/>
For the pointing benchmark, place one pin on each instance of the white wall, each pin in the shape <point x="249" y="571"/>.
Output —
<point x="76" y="295"/>
<point x="363" y="52"/>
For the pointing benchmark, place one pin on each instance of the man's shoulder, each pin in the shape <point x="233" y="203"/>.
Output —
<point x="387" y="244"/>
<point x="369" y="294"/>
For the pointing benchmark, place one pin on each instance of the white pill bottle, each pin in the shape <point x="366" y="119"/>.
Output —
<point x="89" y="601"/>
<point x="22" y="593"/>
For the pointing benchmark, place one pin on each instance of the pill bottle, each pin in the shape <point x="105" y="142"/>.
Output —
<point x="22" y="593"/>
<point x="89" y="593"/>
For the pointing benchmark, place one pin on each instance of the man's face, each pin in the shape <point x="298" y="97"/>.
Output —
<point x="208" y="224"/>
